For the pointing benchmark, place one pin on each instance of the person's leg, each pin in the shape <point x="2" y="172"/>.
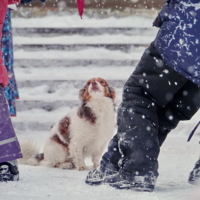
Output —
<point x="136" y="143"/>
<point x="183" y="106"/>
<point x="152" y="86"/>
<point x="9" y="146"/>
<point x="155" y="99"/>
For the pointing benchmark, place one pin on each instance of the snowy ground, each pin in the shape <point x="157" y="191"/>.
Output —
<point x="176" y="159"/>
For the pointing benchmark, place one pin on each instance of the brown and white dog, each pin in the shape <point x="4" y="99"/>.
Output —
<point x="84" y="132"/>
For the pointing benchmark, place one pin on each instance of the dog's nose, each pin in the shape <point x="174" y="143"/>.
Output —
<point x="94" y="83"/>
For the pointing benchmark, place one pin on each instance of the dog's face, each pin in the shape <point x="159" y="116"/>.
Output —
<point x="95" y="88"/>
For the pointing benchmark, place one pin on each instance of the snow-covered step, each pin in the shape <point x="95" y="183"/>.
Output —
<point x="51" y="95"/>
<point x="41" y="115"/>
<point x="48" y="105"/>
<point x="78" y="39"/>
<point x="100" y="53"/>
<point x="88" y="31"/>
<point x="53" y="63"/>
<point x="73" y="74"/>
<point x="45" y="98"/>
<point x="44" y="63"/>
<point x="38" y="119"/>
<point x="77" y="47"/>
<point x="60" y="93"/>
<point x="72" y="20"/>
<point x="33" y="125"/>
<point x="66" y="85"/>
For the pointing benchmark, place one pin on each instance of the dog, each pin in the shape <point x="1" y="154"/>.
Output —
<point x="84" y="132"/>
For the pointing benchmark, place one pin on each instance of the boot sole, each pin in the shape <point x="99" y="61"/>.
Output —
<point x="95" y="183"/>
<point x="134" y="188"/>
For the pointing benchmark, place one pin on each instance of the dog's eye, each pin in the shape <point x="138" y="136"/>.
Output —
<point x="102" y="82"/>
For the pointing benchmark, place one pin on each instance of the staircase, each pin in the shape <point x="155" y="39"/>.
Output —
<point x="53" y="64"/>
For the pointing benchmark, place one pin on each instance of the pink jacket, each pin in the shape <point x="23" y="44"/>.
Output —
<point x="3" y="10"/>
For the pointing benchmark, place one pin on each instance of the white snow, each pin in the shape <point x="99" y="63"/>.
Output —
<point x="176" y="161"/>
<point x="81" y="54"/>
<point x="99" y="39"/>
<point x="177" y="157"/>
<point x="75" y="21"/>
<point x="71" y="73"/>
<point x="39" y="91"/>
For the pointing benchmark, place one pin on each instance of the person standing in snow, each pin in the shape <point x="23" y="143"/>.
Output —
<point x="9" y="145"/>
<point x="163" y="90"/>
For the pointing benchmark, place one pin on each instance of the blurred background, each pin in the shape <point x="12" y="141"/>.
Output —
<point x="121" y="4"/>
<point x="102" y="8"/>
<point x="56" y="52"/>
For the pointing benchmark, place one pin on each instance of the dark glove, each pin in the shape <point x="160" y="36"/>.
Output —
<point x="29" y="1"/>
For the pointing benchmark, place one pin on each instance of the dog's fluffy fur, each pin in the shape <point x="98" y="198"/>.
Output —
<point x="84" y="132"/>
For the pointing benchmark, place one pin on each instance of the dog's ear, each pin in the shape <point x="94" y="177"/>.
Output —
<point x="83" y="94"/>
<point x="110" y="92"/>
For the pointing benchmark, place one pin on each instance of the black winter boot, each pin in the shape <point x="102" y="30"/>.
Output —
<point x="194" y="177"/>
<point x="9" y="171"/>
<point x="96" y="176"/>
<point x="128" y="181"/>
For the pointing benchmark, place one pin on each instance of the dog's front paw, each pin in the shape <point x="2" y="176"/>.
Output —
<point x="65" y="165"/>
<point x="82" y="168"/>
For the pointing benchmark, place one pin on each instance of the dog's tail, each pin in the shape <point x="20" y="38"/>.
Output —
<point x="30" y="152"/>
